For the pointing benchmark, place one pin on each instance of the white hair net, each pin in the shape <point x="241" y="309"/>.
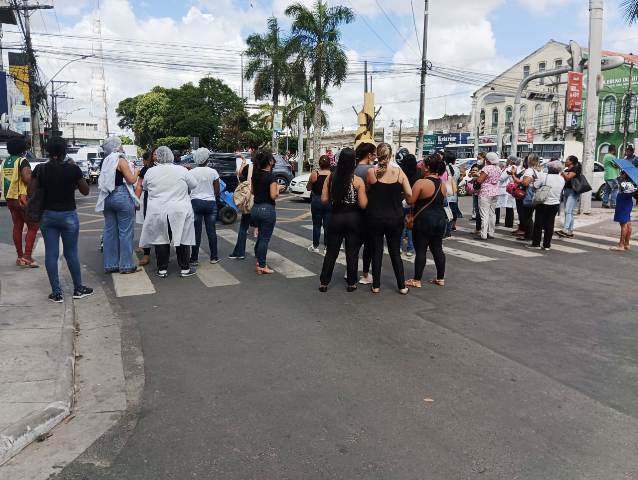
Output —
<point x="111" y="144"/>
<point x="164" y="155"/>
<point x="492" y="158"/>
<point x="201" y="156"/>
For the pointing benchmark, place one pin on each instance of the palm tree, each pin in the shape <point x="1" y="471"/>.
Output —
<point x="303" y="100"/>
<point x="630" y="9"/>
<point x="317" y="33"/>
<point x="274" y="64"/>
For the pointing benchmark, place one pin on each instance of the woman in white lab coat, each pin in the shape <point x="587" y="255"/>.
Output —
<point x="169" y="214"/>
<point x="505" y="201"/>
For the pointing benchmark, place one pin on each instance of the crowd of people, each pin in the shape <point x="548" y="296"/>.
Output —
<point x="366" y="201"/>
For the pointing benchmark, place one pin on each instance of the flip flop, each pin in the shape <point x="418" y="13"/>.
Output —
<point x="617" y="249"/>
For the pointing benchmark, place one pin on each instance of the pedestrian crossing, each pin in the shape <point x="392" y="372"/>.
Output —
<point x="289" y="257"/>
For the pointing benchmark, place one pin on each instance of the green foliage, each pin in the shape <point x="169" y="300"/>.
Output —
<point x="126" y="140"/>
<point x="317" y="32"/>
<point x="188" y="111"/>
<point x="174" y="143"/>
<point x="630" y="10"/>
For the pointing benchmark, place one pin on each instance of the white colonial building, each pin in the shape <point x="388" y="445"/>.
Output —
<point x="542" y="109"/>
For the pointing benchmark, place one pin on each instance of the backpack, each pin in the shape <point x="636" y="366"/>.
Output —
<point x="243" y="195"/>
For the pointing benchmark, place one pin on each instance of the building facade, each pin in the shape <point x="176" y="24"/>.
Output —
<point x="449" y="124"/>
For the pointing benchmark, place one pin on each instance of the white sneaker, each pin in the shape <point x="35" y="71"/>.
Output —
<point x="313" y="249"/>
<point x="409" y="254"/>
<point x="365" y="280"/>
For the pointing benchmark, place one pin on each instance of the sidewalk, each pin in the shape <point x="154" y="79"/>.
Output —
<point x="36" y="356"/>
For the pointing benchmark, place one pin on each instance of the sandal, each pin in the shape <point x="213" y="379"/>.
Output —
<point x="375" y="290"/>
<point x="413" y="283"/>
<point x="32" y="263"/>
<point x="264" y="270"/>
<point x="617" y="249"/>
<point x="351" y="288"/>
<point x="404" y="291"/>
<point x="323" y="288"/>
<point x="22" y="262"/>
<point x="439" y="282"/>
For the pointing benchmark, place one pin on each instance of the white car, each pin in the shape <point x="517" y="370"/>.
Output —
<point x="298" y="186"/>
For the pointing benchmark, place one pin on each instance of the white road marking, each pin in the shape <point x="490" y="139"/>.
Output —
<point x="132" y="284"/>
<point x="499" y="248"/>
<point x="469" y="256"/>
<point x="215" y="275"/>
<point x="280" y="264"/>
<point x="509" y="238"/>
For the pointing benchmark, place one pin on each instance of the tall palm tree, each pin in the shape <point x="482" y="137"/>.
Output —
<point x="274" y="64"/>
<point x="317" y="32"/>
<point x="303" y="100"/>
<point x="630" y="9"/>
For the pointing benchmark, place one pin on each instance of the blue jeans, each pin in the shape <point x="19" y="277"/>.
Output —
<point x="240" y="246"/>
<point x="119" y="229"/>
<point x="407" y="233"/>
<point x="611" y="189"/>
<point x="320" y="217"/>
<point x="571" y="202"/>
<point x="65" y="225"/>
<point x="264" y="216"/>
<point x="206" y="212"/>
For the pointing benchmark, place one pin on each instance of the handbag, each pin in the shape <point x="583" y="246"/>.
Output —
<point x="243" y="195"/>
<point x="410" y="216"/>
<point x="580" y="184"/>
<point x="528" y="199"/>
<point x="35" y="205"/>
<point x="541" y="194"/>
<point x="515" y="190"/>
<point x="448" y="213"/>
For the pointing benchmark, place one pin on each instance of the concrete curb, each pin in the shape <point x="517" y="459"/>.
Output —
<point x="26" y="430"/>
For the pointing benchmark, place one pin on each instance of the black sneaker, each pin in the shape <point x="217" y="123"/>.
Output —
<point x="82" y="292"/>
<point x="236" y="257"/>
<point x="56" y="298"/>
<point x="194" y="263"/>
<point x="187" y="273"/>
<point x="535" y="247"/>
<point x="214" y="260"/>
<point x="162" y="273"/>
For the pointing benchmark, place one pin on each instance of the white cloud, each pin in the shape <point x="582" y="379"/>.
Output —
<point x="544" y="7"/>
<point x="461" y="37"/>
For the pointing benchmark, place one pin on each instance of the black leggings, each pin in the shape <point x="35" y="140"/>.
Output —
<point x="422" y="241"/>
<point x="345" y="224"/>
<point x="509" y="217"/>
<point x="391" y="230"/>
<point x="527" y="220"/>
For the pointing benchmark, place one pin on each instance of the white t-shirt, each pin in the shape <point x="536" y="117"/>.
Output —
<point x="239" y="161"/>
<point x="555" y="182"/>
<point x="530" y="172"/>
<point x="205" y="177"/>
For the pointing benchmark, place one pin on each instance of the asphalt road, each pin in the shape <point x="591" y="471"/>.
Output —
<point x="520" y="368"/>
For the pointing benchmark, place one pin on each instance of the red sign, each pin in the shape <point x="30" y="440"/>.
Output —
<point x="574" y="91"/>
<point x="530" y="135"/>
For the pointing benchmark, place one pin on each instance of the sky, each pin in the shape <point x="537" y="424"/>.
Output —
<point x="170" y="42"/>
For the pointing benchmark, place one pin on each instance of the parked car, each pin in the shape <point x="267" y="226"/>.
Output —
<point x="298" y="186"/>
<point x="225" y="165"/>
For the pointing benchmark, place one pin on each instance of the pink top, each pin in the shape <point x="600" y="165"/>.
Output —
<point x="489" y="188"/>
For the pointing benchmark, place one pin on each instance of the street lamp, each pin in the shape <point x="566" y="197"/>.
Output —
<point x="83" y="57"/>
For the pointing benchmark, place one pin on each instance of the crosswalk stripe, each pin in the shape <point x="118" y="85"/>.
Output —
<point x="499" y="248"/>
<point x="509" y="238"/>
<point x="280" y="264"/>
<point x="469" y="256"/>
<point x="132" y="284"/>
<point x="299" y="240"/>
<point x="575" y="241"/>
<point x="215" y="275"/>
<point x="595" y="236"/>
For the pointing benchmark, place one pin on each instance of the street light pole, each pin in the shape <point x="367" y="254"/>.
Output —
<point x="591" y="119"/>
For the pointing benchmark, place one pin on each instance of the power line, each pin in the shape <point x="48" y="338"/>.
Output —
<point x="416" y="32"/>
<point x="393" y="26"/>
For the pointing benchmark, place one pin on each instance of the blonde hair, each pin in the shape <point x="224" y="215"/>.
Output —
<point x="384" y="156"/>
<point x="533" y="161"/>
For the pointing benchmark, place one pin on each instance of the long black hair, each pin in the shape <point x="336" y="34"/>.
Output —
<point x="342" y="177"/>
<point x="408" y="165"/>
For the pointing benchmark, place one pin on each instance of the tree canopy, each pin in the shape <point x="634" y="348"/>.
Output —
<point x="201" y="110"/>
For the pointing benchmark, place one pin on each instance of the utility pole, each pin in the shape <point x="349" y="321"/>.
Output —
<point x="242" y="75"/>
<point x="627" y="112"/>
<point x="400" y="128"/>
<point x="35" y="92"/>
<point x="424" y="68"/>
<point x="55" y="122"/>
<point x="300" y="149"/>
<point x="591" y="121"/>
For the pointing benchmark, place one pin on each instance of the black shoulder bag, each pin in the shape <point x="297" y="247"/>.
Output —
<point x="35" y="205"/>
